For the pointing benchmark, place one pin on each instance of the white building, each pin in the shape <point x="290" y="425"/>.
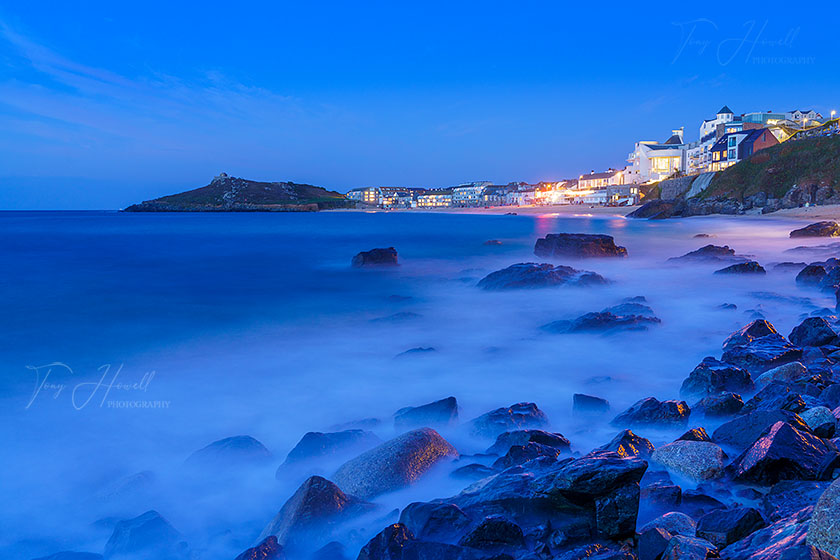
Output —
<point x="469" y="194"/>
<point x="652" y="161"/>
<point x="522" y="197"/>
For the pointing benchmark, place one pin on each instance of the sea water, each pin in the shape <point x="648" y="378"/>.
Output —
<point x="131" y="340"/>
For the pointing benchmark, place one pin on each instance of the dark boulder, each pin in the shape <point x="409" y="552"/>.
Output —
<point x="395" y="464"/>
<point x="652" y="543"/>
<point x="232" y="451"/>
<point x="675" y="523"/>
<point x="689" y="548"/>
<point x="723" y="404"/>
<point x="628" y="444"/>
<point x="660" y="496"/>
<point x="783" y="453"/>
<point x="723" y="527"/>
<point x="783" y="540"/>
<point x="473" y="471"/>
<point x="434" y="521"/>
<point x="749" y="267"/>
<point x="515" y="417"/>
<point x="792" y="372"/>
<point x="655" y="210"/>
<point x="741" y="432"/>
<point x="308" y="517"/>
<point x="697" y="503"/>
<point x="596" y="496"/>
<point x="695" y="434"/>
<point x="578" y="245"/>
<point x="388" y="544"/>
<point x="149" y="535"/>
<point x="317" y="445"/>
<point x="631" y="307"/>
<point x="710" y="253"/>
<point x="494" y="533"/>
<point x="811" y="275"/>
<point x="814" y="331"/>
<point x="787" y="497"/>
<point x="818" y="229"/>
<point x="602" y="322"/>
<point x="821" y="420"/>
<point x="651" y="411"/>
<point x="533" y="275"/>
<point x="587" y="404"/>
<point x="712" y="376"/>
<point x="268" y="549"/>
<point x="759" y="347"/>
<point x="775" y="396"/>
<point x="595" y="551"/>
<point x="439" y="413"/>
<point x="522" y="437"/>
<point x="376" y="257"/>
<point x="492" y="242"/>
<point x="520" y="454"/>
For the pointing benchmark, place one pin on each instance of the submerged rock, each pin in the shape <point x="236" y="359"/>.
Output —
<point x="395" y="464"/>
<point x="268" y="549"/>
<point x="603" y="322"/>
<point x="628" y="444"/>
<point x="750" y="267"/>
<point x="579" y="245"/>
<point x="710" y="253"/>
<point x="515" y="417"/>
<point x="149" y="535"/>
<point x="715" y="406"/>
<point x="782" y="453"/>
<point x="315" y="445"/>
<point x="439" y="413"/>
<point x="533" y="275"/>
<point x="818" y="229"/>
<point x="435" y="521"/>
<point x="697" y="460"/>
<point x="236" y="450"/>
<point x="312" y="511"/>
<point x="494" y="533"/>
<point x="651" y="411"/>
<point x="376" y="257"/>
<point x="712" y="376"/>
<point x="587" y="404"/>
<point x="811" y="275"/>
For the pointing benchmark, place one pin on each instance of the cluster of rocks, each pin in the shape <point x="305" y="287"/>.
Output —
<point x="722" y="254"/>
<point x="631" y="315"/>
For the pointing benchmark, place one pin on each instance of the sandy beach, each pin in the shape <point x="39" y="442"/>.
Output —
<point x="811" y="213"/>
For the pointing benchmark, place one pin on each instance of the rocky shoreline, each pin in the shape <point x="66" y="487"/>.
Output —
<point x="748" y="469"/>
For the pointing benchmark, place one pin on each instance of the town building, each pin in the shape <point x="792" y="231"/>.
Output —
<point x="737" y="146"/>
<point x="601" y="180"/>
<point x="435" y="198"/>
<point x="469" y="194"/>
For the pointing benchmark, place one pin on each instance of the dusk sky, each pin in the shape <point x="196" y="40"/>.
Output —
<point x="103" y="104"/>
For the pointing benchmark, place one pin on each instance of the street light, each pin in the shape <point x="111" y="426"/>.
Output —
<point x="833" y="113"/>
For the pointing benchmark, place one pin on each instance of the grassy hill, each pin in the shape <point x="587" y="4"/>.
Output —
<point x="775" y="170"/>
<point x="232" y="194"/>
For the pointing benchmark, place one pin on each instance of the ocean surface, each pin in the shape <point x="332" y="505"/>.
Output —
<point x="131" y="340"/>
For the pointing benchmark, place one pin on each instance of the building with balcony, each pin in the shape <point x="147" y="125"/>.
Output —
<point x="737" y="146"/>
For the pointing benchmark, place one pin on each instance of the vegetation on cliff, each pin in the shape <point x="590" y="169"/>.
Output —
<point x="775" y="170"/>
<point x="232" y="194"/>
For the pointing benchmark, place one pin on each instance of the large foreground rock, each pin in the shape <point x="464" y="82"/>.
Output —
<point x="651" y="411"/>
<point x="783" y="540"/>
<point x="698" y="460"/>
<point x="533" y="275"/>
<point x="824" y="530"/>
<point x="818" y="229"/>
<point x="596" y="496"/>
<point x="376" y="257"/>
<point x="395" y="464"/>
<point x="313" y="510"/>
<point x="813" y="331"/>
<point x="517" y="416"/>
<point x="578" y="245"/>
<point x="523" y="437"/>
<point x="147" y="535"/>
<point x="783" y="453"/>
<point x="723" y="527"/>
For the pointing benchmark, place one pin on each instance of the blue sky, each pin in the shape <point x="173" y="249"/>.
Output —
<point x="103" y="104"/>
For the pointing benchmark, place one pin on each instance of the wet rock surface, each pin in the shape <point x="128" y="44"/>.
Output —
<point x="602" y="322"/>
<point x="376" y="257"/>
<point x="710" y="253"/>
<point x="750" y="267"/>
<point x="651" y="411"/>
<point x="533" y="275"/>
<point x="712" y="377"/>
<point x="439" y="413"/>
<point x="516" y="416"/>
<point x="578" y="245"/>
<point x="818" y="229"/>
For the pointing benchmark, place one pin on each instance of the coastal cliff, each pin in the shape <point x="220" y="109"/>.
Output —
<point x="788" y="175"/>
<point x="233" y="194"/>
